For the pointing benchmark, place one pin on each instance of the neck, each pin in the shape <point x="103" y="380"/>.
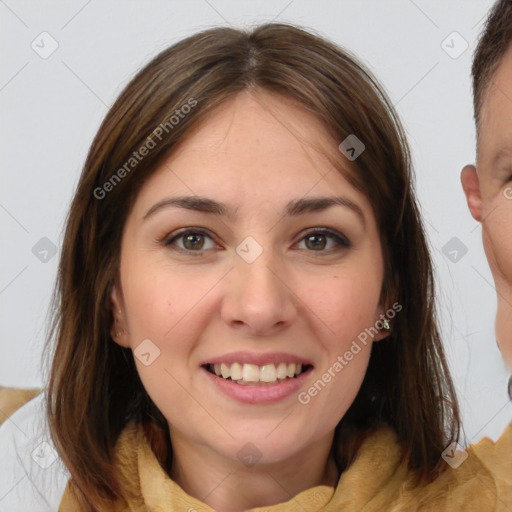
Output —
<point x="226" y="485"/>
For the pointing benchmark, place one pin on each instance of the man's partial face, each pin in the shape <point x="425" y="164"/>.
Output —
<point x="488" y="189"/>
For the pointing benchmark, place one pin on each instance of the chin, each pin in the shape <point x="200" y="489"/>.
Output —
<point x="261" y="448"/>
<point x="503" y="325"/>
<point x="506" y="352"/>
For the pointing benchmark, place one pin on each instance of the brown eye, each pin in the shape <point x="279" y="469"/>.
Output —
<point x="190" y="240"/>
<point x="193" y="241"/>
<point x="316" y="242"/>
<point x="324" y="240"/>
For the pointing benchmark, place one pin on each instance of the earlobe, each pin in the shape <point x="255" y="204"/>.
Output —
<point x="471" y="186"/>
<point x="388" y="309"/>
<point x="383" y="326"/>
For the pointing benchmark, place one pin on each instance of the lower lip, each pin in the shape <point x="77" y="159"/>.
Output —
<point x="258" y="394"/>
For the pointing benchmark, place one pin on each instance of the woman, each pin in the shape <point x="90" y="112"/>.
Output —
<point x="245" y="310"/>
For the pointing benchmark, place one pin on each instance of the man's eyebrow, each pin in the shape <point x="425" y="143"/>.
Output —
<point x="293" y="208"/>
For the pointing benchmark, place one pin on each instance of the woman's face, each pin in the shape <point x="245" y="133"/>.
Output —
<point x="250" y="286"/>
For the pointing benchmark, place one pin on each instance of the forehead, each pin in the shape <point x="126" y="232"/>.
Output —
<point x="254" y="145"/>
<point x="495" y="130"/>
<point x="245" y="123"/>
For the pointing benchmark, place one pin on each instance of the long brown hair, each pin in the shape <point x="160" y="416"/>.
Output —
<point x="94" y="389"/>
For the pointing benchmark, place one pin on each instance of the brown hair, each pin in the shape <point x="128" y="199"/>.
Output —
<point x="492" y="45"/>
<point x="94" y="388"/>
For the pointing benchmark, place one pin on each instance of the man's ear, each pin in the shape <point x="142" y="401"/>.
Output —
<point x="471" y="186"/>
<point x="118" y="330"/>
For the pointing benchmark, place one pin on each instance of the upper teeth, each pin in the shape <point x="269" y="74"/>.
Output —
<point x="254" y="373"/>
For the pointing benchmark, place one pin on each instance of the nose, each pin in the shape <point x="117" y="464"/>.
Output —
<point x="258" y="299"/>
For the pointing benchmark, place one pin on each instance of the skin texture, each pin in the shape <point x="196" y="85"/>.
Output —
<point x="488" y="189"/>
<point x="293" y="298"/>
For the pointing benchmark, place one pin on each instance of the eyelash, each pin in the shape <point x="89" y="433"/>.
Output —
<point x="341" y="241"/>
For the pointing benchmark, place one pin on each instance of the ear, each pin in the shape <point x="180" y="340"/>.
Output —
<point x="471" y="186"/>
<point x="388" y="310"/>
<point x="382" y="333"/>
<point x="118" y="330"/>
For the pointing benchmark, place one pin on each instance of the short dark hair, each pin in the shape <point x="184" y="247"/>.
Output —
<point x="492" y="45"/>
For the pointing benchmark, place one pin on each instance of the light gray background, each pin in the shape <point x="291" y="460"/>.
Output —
<point x="51" y="109"/>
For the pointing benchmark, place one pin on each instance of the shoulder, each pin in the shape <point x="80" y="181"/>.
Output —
<point x="497" y="456"/>
<point x="479" y="478"/>
<point x="11" y="399"/>
<point x="33" y="477"/>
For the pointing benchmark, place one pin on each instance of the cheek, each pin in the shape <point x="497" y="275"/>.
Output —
<point x="165" y="306"/>
<point x="351" y="302"/>
<point x="497" y="236"/>
<point x="343" y="309"/>
<point x="348" y="302"/>
<point x="159" y="297"/>
<point x="152" y="305"/>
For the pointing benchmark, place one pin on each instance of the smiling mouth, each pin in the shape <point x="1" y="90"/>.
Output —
<point x="254" y="375"/>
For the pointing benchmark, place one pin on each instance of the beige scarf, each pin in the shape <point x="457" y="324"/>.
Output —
<point x="375" y="482"/>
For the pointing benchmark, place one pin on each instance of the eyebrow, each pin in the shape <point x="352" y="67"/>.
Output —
<point x="293" y="208"/>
